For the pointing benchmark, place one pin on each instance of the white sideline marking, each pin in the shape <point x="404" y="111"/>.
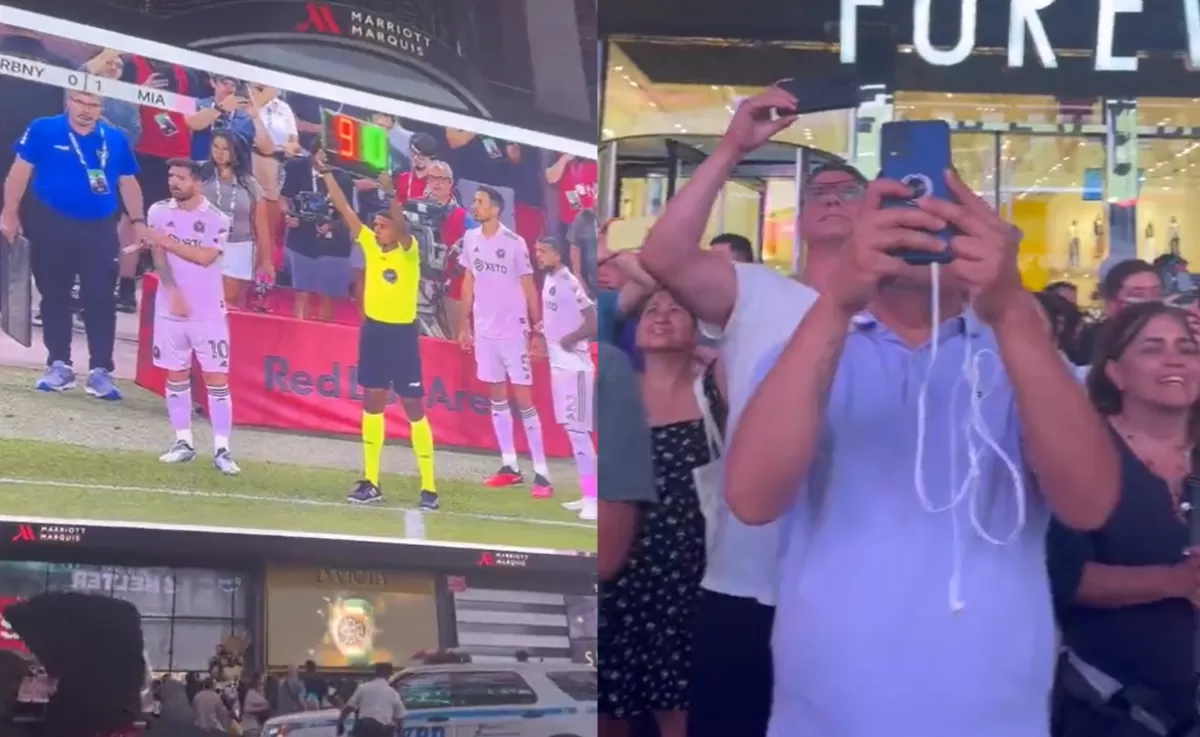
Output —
<point x="280" y="500"/>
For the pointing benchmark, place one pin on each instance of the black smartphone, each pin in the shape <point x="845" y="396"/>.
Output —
<point x="836" y="92"/>
<point x="916" y="153"/>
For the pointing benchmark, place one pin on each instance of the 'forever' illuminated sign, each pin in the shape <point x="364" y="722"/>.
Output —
<point x="1023" y="22"/>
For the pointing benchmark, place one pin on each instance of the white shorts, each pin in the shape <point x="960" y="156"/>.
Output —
<point x="496" y="359"/>
<point x="237" y="261"/>
<point x="177" y="341"/>
<point x="573" y="403"/>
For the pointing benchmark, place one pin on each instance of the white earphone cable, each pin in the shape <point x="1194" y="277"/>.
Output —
<point x="979" y="440"/>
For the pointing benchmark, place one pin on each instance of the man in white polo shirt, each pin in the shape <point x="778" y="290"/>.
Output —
<point x="753" y="308"/>
<point x="378" y="705"/>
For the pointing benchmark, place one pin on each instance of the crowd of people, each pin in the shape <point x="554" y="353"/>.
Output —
<point x="240" y="196"/>
<point x="876" y="498"/>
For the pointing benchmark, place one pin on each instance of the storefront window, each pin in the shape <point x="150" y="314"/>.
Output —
<point x="1168" y="212"/>
<point x="498" y="624"/>
<point x="997" y="109"/>
<point x="185" y="612"/>
<point x="636" y="106"/>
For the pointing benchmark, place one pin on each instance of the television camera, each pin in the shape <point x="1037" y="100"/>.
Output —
<point x="425" y="219"/>
<point x="312" y="207"/>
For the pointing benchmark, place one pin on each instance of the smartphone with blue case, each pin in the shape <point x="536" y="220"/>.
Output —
<point x="917" y="153"/>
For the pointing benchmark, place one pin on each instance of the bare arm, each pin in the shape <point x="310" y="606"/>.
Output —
<point x="131" y="197"/>
<point x="342" y="205"/>
<point x="203" y="119"/>
<point x="703" y="282"/>
<point x="16" y="183"/>
<point x="99" y="61"/>
<point x="586" y="331"/>
<point x="468" y="302"/>
<point x="555" y="171"/>
<point x="262" y="140"/>
<point x="200" y="255"/>
<point x="262" y="235"/>
<point x="767" y="460"/>
<point x="162" y="267"/>
<point x="531" y="299"/>
<point x="632" y="296"/>
<point x="1067" y="444"/>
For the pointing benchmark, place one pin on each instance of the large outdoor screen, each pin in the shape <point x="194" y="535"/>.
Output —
<point x="291" y="275"/>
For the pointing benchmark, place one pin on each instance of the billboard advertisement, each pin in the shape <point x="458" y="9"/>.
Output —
<point x="244" y="386"/>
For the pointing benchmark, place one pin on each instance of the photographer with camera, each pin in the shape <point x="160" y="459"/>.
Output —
<point x="318" y="242"/>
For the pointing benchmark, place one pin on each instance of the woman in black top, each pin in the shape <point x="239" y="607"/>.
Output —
<point x="1126" y="594"/>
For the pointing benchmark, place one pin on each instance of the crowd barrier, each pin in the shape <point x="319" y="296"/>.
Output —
<point x="299" y="375"/>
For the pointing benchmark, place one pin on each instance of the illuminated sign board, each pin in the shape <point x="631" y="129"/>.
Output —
<point x="1024" y="23"/>
<point x="355" y="145"/>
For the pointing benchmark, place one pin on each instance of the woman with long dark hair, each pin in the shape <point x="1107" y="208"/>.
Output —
<point x="229" y="185"/>
<point x="1126" y="594"/>
<point x="645" y="612"/>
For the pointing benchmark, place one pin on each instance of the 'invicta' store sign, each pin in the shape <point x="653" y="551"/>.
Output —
<point x="1024" y="26"/>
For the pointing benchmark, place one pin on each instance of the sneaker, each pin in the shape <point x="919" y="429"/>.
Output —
<point x="59" y="377"/>
<point x="179" y="452"/>
<point x="506" y="476"/>
<point x="224" y="463"/>
<point x="100" y="385"/>
<point x="575" y="506"/>
<point x="429" y="500"/>
<point x="365" y="493"/>
<point x="542" y="488"/>
<point x="587" y="512"/>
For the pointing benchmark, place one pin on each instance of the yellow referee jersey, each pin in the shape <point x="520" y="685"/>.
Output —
<point x="391" y="280"/>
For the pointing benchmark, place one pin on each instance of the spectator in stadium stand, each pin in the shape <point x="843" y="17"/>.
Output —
<point x="232" y="189"/>
<point x="1122" y="283"/>
<point x="647" y="608"/>
<point x="232" y="107"/>
<point x="279" y="122"/>
<point x="576" y="183"/>
<point x="78" y="172"/>
<point x="126" y="117"/>
<point x="165" y="134"/>
<point x="1126" y="594"/>
<point x="1064" y="289"/>
<point x="37" y="100"/>
<point x="441" y="191"/>
<point x="309" y="119"/>
<point x="487" y="160"/>
<point x="411" y="185"/>
<point x="318" y="253"/>
<point x="958" y="579"/>
<point x="753" y="308"/>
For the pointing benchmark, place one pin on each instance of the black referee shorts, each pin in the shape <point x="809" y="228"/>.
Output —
<point x="389" y="357"/>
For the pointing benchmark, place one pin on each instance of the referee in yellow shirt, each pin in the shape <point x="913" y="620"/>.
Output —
<point x="389" y="352"/>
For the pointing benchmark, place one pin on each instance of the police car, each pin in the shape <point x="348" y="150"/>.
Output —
<point x="470" y="699"/>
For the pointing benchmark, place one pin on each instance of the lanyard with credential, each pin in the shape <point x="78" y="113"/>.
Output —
<point x="102" y="153"/>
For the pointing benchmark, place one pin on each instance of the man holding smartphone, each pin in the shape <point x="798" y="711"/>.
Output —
<point x="230" y="107"/>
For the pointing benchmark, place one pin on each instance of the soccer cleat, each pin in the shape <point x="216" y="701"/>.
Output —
<point x="224" y="463"/>
<point x="58" y="377"/>
<point x="575" y="506"/>
<point x="506" y="476"/>
<point x="101" y="386"/>
<point x="587" y="512"/>
<point x="542" y="488"/>
<point x="179" y="452"/>
<point x="429" y="500"/>
<point x="365" y="493"/>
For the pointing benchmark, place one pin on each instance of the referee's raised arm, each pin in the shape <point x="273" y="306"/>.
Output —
<point x="64" y="192"/>
<point x="334" y="191"/>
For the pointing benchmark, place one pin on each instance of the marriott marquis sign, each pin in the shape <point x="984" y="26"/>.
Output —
<point x="1023" y="22"/>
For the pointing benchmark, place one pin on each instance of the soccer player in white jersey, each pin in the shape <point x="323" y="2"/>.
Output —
<point x="570" y="325"/>
<point x="499" y="293"/>
<point x="187" y="238"/>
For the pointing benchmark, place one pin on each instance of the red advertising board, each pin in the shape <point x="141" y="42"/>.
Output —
<point x="299" y="375"/>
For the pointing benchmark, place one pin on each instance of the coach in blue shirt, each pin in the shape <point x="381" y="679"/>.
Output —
<point x="913" y="597"/>
<point x="78" y="172"/>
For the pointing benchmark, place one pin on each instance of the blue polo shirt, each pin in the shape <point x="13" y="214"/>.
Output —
<point x="239" y="122"/>
<point x="863" y="613"/>
<point x="60" y="179"/>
